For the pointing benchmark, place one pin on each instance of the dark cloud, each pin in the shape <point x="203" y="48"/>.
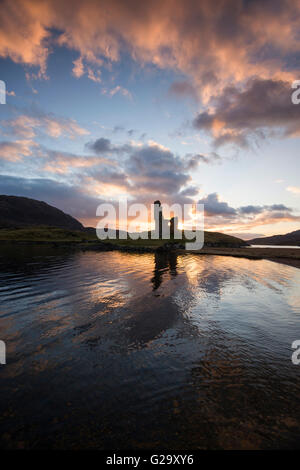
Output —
<point x="278" y="207"/>
<point x="219" y="213"/>
<point x="104" y="146"/>
<point x="210" y="159"/>
<point x="146" y="169"/>
<point x="259" y="209"/>
<point x="238" y="115"/>
<point x="191" y="191"/>
<point x="251" y="210"/>
<point x="100" y="146"/>
<point x="108" y="176"/>
<point x="213" y="206"/>
<point x="156" y="170"/>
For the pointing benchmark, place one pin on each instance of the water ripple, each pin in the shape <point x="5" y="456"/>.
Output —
<point x="198" y="346"/>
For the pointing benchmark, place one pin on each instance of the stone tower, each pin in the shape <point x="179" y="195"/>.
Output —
<point x="158" y="218"/>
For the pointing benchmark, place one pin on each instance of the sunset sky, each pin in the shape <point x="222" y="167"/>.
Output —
<point x="174" y="100"/>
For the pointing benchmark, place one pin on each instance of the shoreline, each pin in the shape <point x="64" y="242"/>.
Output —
<point x="287" y="256"/>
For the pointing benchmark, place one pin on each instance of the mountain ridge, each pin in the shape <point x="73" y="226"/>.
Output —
<point x="291" y="238"/>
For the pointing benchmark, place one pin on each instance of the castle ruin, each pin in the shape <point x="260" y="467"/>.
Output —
<point x="162" y="225"/>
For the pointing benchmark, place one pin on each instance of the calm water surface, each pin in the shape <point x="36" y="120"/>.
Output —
<point x="273" y="246"/>
<point x="115" y="350"/>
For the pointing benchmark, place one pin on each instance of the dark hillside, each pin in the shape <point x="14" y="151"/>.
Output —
<point x="292" y="239"/>
<point x="22" y="211"/>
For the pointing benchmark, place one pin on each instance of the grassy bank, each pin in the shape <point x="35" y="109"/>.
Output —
<point x="45" y="234"/>
<point x="85" y="240"/>
<point x="52" y="234"/>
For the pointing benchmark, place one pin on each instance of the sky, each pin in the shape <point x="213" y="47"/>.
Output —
<point x="178" y="101"/>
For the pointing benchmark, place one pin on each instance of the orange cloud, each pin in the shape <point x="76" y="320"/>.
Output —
<point x="62" y="163"/>
<point x="23" y="33"/>
<point x="57" y="127"/>
<point x="216" y="43"/>
<point x="25" y="126"/>
<point x="78" y="69"/>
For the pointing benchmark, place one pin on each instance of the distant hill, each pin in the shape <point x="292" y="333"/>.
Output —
<point x="22" y="211"/>
<point x="222" y="239"/>
<point x="292" y="239"/>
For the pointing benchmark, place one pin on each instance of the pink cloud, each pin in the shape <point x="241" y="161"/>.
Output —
<point x="15" y="151"/>
<point x="215" y="43"/>
<point x="26" y="126"/>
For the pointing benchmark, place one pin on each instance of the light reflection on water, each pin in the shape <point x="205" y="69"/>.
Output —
<point x="108" y="350"/>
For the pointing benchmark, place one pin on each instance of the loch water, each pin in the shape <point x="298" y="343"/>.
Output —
<point x="119" y="350"/>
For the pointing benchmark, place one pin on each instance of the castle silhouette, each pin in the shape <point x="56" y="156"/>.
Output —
<point x="161" y="224"/>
